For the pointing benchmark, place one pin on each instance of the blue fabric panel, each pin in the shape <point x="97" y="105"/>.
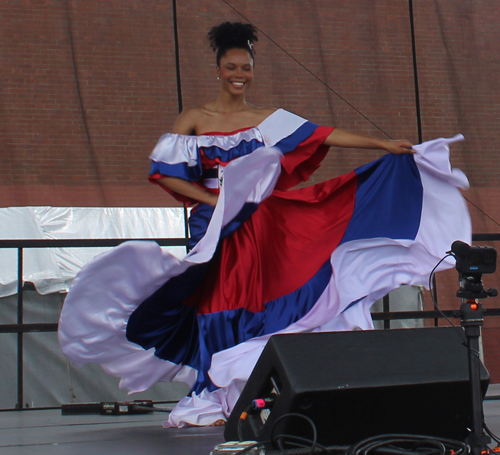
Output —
<point x="388" y="189"/>
<point x="180" y="170"/>
<point x="162" y="320"/>
<point x="242" y="149"/>
<point x="290" y="143"/>
<point x="179" y="335"/>
<point x="198" y="222"/>
<point x="224" y="329"/>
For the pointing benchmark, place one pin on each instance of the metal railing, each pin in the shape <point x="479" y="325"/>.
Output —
<point x="21" y="328"/>
<point x="388" y="315"/>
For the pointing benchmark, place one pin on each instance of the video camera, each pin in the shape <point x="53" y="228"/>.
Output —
<point x="474" y="260"/>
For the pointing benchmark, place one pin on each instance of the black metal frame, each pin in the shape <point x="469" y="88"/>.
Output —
<point x="388" y="315"/>
<point x="20" y="328"/>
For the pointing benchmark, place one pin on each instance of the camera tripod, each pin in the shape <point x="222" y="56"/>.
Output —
<point x="472" y="319"/>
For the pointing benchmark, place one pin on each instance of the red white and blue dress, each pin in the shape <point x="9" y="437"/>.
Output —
<point x="265" y="260"/>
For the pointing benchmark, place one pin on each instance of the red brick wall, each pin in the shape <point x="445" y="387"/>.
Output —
<point x="126" y="74"/>
<point x="347" y="64"/>
<point x="457" y="44"/>
<point x="125" y="63"/>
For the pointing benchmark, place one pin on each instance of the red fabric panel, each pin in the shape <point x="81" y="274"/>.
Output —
<point x="280" y="248"/>
<point x="300" y="164"/>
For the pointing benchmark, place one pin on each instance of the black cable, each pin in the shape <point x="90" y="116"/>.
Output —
<point x="491" y="434"/>
<point x="415" y="72"/>
<point x="308" y="70"/>
<point x="432" y="294"/>
<point x="300" y="416"/>
<point x="177" y="63"/>
<point x="243" y="417"/>
<point x="300" y="442"/>
<point x="418" y="442"/>
<point x="417" y="446"/>
<point x="75" y="72"/>
<point x="482" y="211"/>
<point x="179" y="97"/>
<point x="431" y="275"/>
<point x="93" y="157"/>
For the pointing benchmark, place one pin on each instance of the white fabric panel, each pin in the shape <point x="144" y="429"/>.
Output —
<point x="360" y="274"/>
<point x="229" y="142"/>
<point x="440" y="203"/>
<point x="178" y="148"/>
<point x="279" y="125"/>
<point x="53" y="269"/>
<point x="120" y="279"/>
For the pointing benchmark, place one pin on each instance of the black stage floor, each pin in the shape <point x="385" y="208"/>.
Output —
<point x="44" y="432"/>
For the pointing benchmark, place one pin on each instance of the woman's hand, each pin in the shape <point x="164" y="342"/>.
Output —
<point x="398" y="147"/>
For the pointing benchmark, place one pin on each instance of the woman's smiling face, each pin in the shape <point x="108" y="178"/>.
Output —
<point x="236" y="71"/>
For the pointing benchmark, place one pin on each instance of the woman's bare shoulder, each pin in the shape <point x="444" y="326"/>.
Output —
<point x="188" y="120"/>
<point x="198" y="120"/>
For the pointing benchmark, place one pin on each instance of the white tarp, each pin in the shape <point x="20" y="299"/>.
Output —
<point x="49" y="378"/>
<point x="53" y="269"/>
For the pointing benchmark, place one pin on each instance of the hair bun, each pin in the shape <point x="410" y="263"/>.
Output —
<point x="229" y="35"/>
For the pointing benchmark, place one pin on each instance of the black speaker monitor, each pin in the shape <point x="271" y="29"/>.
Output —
<point x="359" y="384"/>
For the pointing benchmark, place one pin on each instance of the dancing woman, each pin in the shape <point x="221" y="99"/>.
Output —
<point x="230" y="112"/>
<point x="264" y="259"/>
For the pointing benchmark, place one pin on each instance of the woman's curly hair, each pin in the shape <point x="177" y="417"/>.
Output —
<point x="232" y="35"/>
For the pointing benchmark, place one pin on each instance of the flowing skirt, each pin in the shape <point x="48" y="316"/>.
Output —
<point x="313" y="259"/>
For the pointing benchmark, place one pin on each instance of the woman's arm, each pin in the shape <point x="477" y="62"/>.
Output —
<point x="186" y="124"/>
<point x="186" y="188"/>
<point x="343" y="138"/>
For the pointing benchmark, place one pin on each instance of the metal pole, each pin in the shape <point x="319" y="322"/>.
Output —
<point x="20" y="339"/>
<point x="387" y="309"/>
<point x="415" y="72"/>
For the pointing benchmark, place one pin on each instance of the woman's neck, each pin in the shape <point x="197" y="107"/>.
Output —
<point x="227" y="104"/>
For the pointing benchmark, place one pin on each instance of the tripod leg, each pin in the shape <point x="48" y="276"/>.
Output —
<point x="472" y="321"/>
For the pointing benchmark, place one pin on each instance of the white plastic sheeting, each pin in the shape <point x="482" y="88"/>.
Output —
<point x="404" y="298"/>
<point x="53" y="269"/>
<point x="49" y="378"/>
